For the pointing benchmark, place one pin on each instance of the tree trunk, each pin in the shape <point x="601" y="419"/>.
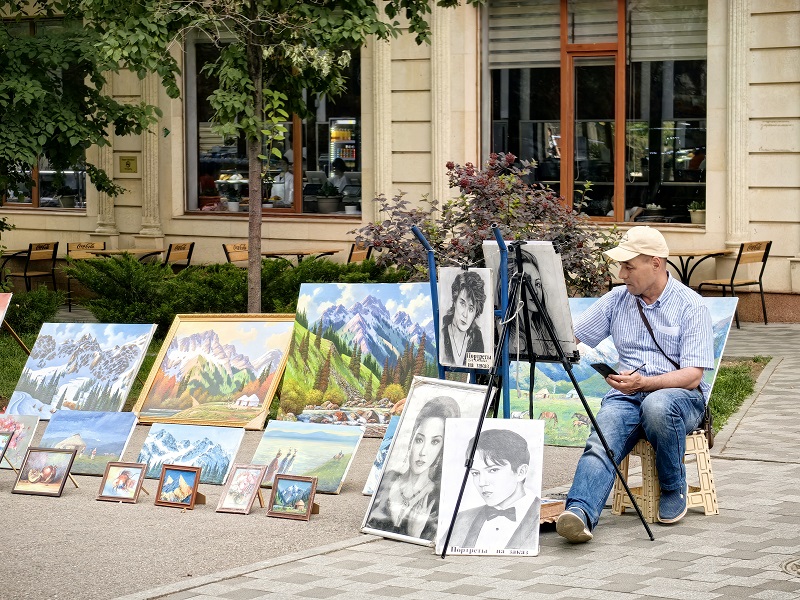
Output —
<point x="254" y="64"/>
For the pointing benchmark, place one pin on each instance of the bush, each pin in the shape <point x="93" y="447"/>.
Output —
<point x="497" y="194"/>
<point x="29" y="310"/>
<point x="394" y="393"/>
<point x="218" y="288"/>
<point x="334" y="395"/>
<point x="291" y="399"/>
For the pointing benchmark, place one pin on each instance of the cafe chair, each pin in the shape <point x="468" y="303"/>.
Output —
<point x="358" y="253"/>
<point x="80" y="251"/>
<point x="179" y="256"/>
<point x="236" y="253"/>
<point x="749" y="253"/>
<point x="40" y="261"/>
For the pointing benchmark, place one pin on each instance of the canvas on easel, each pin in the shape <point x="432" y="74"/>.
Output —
<point x="466" y="332"/>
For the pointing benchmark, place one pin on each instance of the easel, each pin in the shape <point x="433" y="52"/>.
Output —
<point x="522" y="288"/>
<point x="16" y="337"/>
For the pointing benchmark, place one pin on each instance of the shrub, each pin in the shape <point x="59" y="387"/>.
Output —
<point x="313" y="398"/>
<point x="219" y="288"/>
<point x="497" y="194"/>
<point x="292" y="400"/>
<point x="29" y="310"/>
<point x="334" y="395"/>
<point x="394" y="393"/>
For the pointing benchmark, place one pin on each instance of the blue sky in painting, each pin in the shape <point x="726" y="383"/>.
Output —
<point x="107" y="335"/>
<point x="251" y="338"/>
<point x="111" y="427"/>
<point x="411" y="298"/>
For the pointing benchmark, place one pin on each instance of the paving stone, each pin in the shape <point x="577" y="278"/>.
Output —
<point x="243" y="594"/>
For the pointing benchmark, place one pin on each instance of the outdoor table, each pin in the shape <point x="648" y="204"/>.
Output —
<point x="300" y="254"/>
<point x="141" y="253"/>
<point x="687" y="263"/>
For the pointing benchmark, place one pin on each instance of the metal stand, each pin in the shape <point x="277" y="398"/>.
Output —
<point x="521" y="287"/>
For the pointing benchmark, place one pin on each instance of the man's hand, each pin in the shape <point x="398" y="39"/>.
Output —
<point x="629" y="382"/>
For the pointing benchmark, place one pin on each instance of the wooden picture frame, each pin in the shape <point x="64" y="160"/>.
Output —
<point x="177" y="486"/>
<point x="44" y="471"/>
<point x="5" y="439"/>
<point x="122" y="482"/>
<point x="301" y="489"/>
<point x="241" y="488"/>
<point x="166" y="398"/>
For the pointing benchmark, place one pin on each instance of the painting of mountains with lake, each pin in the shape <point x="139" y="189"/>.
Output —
<point x="555" y="398"/>
<point x="97" y="437"/>
<point x="212" y="448"/>
<point x="355" y="349"/>
<point x="217" y="370"/>
<point x="80" y="366"/>
<point x="316" y="450"/>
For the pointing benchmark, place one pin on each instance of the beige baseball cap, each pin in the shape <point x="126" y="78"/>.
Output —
<point x="639" y="240"/>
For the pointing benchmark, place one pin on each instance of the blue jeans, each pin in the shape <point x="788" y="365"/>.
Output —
<point x="664" y="417"/>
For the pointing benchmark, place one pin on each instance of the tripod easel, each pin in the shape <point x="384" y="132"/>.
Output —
<point x="520" y="293"/>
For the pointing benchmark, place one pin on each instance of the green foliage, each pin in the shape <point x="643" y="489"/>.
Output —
<point x="495" y="195"/>
<point x="314" y="397"/>
<point x="697" y="205"/>
<point x="291" y="398"/>
<point x="14" y="359"/>
<point x="394" y="392"/>
<point x="733" y="384"/>
<point x="216" y="288"/>
<point x="334" y="395"/>
<point x="5" y="284"/>
<point x="29" y="310"/>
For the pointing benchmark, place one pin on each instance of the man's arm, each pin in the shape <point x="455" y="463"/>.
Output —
<point x="687" y="378"/>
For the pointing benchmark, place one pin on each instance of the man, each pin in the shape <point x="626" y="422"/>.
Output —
<point x="510" y="517"/>
<point x="659" y="401"/>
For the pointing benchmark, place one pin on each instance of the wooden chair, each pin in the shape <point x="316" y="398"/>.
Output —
<point x="358" y="253"/>
<point x="179" y="255"/>
<point x="749" y="252"/>
<point x="80" y="251"/>
<point x="236" y="253"/>
<point x="40" y="261"/>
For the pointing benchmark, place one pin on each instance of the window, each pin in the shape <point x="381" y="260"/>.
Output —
<point x="568" y="75"/>
<point x="215" y="166"/>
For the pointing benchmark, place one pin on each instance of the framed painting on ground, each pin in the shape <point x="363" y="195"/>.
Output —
<point x="24" y="428"/>
<point x="405" y="504"/>
<point x="241" y="489"/>
<point x="5" y="439"/>
<point x="292" y="497"/>
<point x="44" y="472"/>
<point x="351" y="342"/>
<point x="177" y="486"/>
<point x="122" y="482"/>
<point x="316" y="450"/>
<point x="97" y="437"/>
<point x="217" y="370"/>
<point x="80" y="366"/>
<point x="213" y="448"/>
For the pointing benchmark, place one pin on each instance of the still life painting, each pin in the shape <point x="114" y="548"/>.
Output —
<point x="44" y="472"/>
<point x="316" y="450"/>
<point x="24" y="427"/>
<point x="122" y="482"/>
<point x="354" y="352"/>
<point x="80" y="366"/>
<point x="217" y="370"/>
<point x="241" y="489"/>
<point x="213" y="448"/>
<point x="96" y="437"/>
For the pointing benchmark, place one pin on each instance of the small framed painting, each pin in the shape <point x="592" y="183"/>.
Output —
<point x="178" y="486"/>
<point x="5" y="440"/>
<point x="122" y="482"/>
<point x="44" y="471"/>
<point x="241" y="489"/>
<point x="292" y="497"/>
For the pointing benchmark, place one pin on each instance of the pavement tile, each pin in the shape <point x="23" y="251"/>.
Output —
<point x="243" y="594"/>
<point x="181" y="595"/>
<point x="732" y="591"/>
<point x="319" y="592"/>
<point x="371" y="577"/>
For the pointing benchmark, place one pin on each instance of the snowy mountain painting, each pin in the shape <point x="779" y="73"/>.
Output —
<point x="217" y="370"/>
<point x="80" y="366"/>
<point x="212" y="448"/>
<point x="355" y="349"/>
<point x="5" y="300"/>
<point x="98" y="437"/>
<point x="555" y="397"/>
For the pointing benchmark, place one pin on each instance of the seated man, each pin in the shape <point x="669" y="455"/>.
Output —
<point x="664" y="400"/>
<point x="510" y="518"/>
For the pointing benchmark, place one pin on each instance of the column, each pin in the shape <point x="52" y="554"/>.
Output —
<point x="440" y="97"/>
<point x="106" y="219"/>
<point x="738" y="217"/>
<point x="151" y="215"/>
<point x="382" y="114"/>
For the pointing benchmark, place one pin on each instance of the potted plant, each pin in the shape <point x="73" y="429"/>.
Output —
<point x="697" y="212"/>
<point x="328" y="198"/>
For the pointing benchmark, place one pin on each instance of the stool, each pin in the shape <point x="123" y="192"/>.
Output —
<point x="648" y="494"/>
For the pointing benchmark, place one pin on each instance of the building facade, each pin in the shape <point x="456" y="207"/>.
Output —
<point x="706" y="91"/>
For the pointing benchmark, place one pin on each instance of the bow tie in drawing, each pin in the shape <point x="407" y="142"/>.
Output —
<point x="508" y="513"/>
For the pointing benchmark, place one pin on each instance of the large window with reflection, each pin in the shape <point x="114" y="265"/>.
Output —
<point x="568" y="77"/>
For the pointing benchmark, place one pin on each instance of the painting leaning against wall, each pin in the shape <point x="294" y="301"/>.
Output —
<point x="355" y="350"/>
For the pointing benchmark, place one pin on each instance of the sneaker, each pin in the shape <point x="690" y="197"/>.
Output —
<point x="572" y="524"/>
<point x="673" y="504"/>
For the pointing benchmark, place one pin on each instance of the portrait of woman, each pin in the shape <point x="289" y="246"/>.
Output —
<point x="541" y="339"/>
<point x="464" y="323"/>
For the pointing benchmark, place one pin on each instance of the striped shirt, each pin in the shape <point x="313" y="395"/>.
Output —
<point x="681" y="323"/>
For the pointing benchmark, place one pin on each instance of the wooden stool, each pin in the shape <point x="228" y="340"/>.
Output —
<point x="648" y="494"/>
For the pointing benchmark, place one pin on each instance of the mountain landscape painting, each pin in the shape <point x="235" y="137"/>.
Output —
<point x="355" y="349"/>
<point x="217" y="370"/>
<point x="555" y="398"/>
<point x="80" y="366"/>
<point x="97" y="437"/>
<point x="212" y="448"/>
<point x="318" y="450"/>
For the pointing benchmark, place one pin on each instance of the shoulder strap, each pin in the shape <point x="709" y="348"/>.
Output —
<point x="650" y="331"/>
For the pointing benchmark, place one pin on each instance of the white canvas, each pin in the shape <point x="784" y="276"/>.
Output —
<point x="405" y="504"/>
<point x="493" y="483"/>
<point x="466" y="328"/>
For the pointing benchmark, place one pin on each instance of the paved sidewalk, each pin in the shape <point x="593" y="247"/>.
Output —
<point x="750" y="550"/>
